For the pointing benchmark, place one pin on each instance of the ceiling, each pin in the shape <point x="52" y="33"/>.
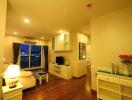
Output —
<point x="47" y="17"/>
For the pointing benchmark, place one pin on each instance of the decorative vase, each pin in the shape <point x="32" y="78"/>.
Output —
<point x="126" y="71"/>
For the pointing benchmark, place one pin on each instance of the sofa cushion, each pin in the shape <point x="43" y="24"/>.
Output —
<point x="26" y="74"/>
<point x="27" y="82"/>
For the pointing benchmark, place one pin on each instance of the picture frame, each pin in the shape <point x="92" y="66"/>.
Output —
<point x="82" y="51"/>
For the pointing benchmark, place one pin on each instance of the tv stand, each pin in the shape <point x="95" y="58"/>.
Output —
<point x="62" y="71"/>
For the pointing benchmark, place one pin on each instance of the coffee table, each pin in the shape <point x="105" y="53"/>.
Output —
<point x="40" y="75"/>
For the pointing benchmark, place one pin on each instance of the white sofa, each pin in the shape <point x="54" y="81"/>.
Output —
<point x="26" y="78"/>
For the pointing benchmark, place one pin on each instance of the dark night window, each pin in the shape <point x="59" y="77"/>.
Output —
<point x="30" y="56"/>
<point x="24" y="61"/>
<point x="35" y="56"/>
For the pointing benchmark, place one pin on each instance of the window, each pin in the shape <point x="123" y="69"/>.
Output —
<point x="35" y="57"/>
<point x="30" y="56"/>
<point x="24" y="55"/>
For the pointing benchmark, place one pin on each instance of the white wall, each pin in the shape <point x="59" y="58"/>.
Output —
<point x="3" y="6"/>
<point x="111" y="35"/>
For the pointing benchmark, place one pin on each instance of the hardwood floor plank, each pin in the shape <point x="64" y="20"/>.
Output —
<point x="60" y="89"/>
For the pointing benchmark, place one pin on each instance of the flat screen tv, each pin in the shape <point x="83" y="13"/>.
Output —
<point x="60" y="60"/>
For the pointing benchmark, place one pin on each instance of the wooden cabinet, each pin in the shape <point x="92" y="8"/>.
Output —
<point x="60" y="42"/>
<point x="12" y="93"/>
<point x="113" y="87"/>
<point x="62" y="71"/>
<point x="79" y="68"/>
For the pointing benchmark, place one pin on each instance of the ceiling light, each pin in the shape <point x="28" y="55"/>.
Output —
<point x="88" y="4"/>
<point x="15" y="33"/>
<point x="26" y="20"/>
<point x="42" y="37"/>
<point x="61" y="31"/>
<point x="67" y="33"/>
<point x="4" y="59"/>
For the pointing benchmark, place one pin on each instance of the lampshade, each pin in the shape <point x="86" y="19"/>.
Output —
<point x="12" y="71"/>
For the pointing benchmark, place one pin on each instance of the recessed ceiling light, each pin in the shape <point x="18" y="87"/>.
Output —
<point x="61" y="31"/>
<point x="42" y="37"/>
<point x="4" y="59"/>
<point x="15" y="33"/>
<point x="26" y="20"/>
<point x="67" y="33"/>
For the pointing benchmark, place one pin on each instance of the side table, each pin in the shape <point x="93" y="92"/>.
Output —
<point x="12" y="93"/>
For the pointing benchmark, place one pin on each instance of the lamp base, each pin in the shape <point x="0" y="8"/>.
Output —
<point x="12" y="83"/>
<point x="12" y="86"/>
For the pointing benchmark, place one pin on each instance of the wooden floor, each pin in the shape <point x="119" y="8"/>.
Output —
<point x="60" y="89"/>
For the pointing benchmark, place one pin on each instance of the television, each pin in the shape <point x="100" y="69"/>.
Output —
<point x="60" y="60"/>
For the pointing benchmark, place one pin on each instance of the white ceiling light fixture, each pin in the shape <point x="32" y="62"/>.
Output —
<point x="61" y="31"/>
<point x="26" y="20"/>
<point x="67" y="33"/>
<point x="42" y="37"/>
<point x="15" y="33"/>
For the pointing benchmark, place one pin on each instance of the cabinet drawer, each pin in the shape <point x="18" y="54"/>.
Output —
<point x="17" y="97"/>
<point x="100" y="76"/>
<point x="126" y="82"/>
<point x="12" y="93"/>
<point x="109" y="78"/>
<point x="105" y="78"/>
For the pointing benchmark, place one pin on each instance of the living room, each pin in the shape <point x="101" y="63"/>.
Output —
<point x="75" y="50"/>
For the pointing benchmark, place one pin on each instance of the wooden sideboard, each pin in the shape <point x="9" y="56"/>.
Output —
<point x="62" y="71"/>
<point x="113" y="87"/>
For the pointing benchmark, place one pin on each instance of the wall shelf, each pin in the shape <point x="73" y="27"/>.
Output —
<point x="60" y="42"/>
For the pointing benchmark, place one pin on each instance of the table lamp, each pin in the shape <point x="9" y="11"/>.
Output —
<point x="11" y="74"/>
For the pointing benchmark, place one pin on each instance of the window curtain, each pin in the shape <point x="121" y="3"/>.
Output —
<point x="45" y="48"/>
<point x="16" y="49"/>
